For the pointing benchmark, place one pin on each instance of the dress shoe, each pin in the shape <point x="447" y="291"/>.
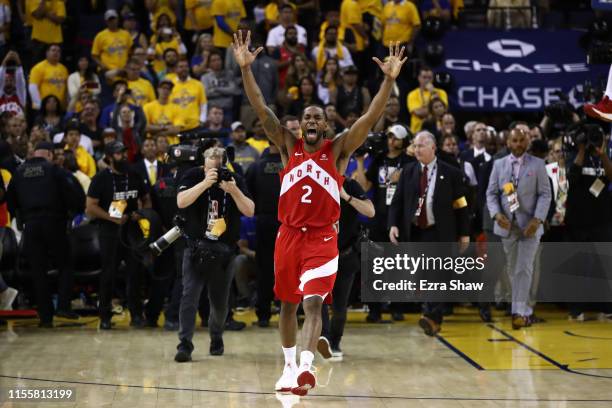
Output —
<point x="485" y="314"/>
<point x="45" y="325"/>
<point x="533" y="319"/>
<point x="137" y="321"/>
<point x="216" y="346"/>
<point x="397" y="316"/>
<point x="263" y="323"/>
<point x="105" y="324"/>
<point x="233" y="325"/>
<point x="518" y="322"/>
<point x="373" y="318"/>
<point x="183" y="353"/>
<point x="430" y="327"/>
<point x="67" y="314"/>
<point x="170" y="325"/>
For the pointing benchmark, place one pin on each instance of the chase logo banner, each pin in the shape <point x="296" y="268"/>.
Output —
<point x="518" y="70"/>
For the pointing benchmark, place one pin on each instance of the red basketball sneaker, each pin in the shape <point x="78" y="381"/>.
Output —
<point x="601" y="110"/>
<point x="305" y="382"/>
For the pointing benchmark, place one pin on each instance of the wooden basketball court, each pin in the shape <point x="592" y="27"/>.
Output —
<point x="470" y="364"/>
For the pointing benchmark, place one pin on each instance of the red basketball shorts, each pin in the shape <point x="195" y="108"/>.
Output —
<point x="305" y="263"/>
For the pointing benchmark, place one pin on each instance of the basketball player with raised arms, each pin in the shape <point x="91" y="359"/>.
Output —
<point x="306" y="249"/>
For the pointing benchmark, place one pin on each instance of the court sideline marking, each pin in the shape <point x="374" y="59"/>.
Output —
<point x="310" y="396"/>
<point x="564" y="367"/>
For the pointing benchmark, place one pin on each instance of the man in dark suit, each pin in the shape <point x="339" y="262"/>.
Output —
<point x="149" y="168"/>
<point x="479" y="139"/>
<point x="429" y="206"/>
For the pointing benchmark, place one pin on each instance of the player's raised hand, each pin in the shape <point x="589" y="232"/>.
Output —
<point x="244" y="57"/>
<point x="393" y="63"/>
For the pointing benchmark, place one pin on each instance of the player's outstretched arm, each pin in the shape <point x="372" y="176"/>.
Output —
<point x="244" y="58"/>
<point x="344" y="146"/>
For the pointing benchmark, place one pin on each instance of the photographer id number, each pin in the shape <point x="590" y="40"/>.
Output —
<point x="37" y="394"/>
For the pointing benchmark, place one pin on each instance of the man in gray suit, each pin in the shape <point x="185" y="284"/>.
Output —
<point x="518" y="199"/>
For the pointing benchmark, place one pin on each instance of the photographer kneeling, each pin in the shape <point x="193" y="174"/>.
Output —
<point x="211" y="203"/>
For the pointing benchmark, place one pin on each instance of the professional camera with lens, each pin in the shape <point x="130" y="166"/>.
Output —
<point x="169" y="237"/>
<point x="224" y="174"/>
<point x="193" y="143"/>
<point x="375" y="144"/>
<point x="561" y="115"/>
<point x="588" y="134"/>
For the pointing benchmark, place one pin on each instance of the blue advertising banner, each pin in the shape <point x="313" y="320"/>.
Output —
<point x="519" y="70"/>
<point x="601" y="4"/>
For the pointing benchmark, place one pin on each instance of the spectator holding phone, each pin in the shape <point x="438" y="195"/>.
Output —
<point x="85" y="77"/>
<point x="12" y="85"/>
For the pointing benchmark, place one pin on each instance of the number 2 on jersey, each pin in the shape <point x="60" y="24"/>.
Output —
<point x="307" y="194"/>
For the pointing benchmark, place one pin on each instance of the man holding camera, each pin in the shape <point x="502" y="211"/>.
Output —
<point x="588" y="216"/>
<point x="212" y="202"/>
<point x="114" y="196"/>
<point x="382" y="177"/>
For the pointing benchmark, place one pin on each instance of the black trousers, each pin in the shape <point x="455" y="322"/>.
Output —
<point x="172" y="310"/>
<point x="45" y="239"/>
<point x="348" y="266"/>
<point x="162" y="279"/>
<point x="266" y="230"/>
<point x="379" y="233"/>
<point x="595" y="233"/>
<point x="112" y="252"/>
<point x="432" y="310"/>
<point x="214" y="275"/>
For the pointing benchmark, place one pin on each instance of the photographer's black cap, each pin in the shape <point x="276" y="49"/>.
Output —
<point x="114" y="147"/>
<point x="44" y="146"/>
<point x="73" y="124"/>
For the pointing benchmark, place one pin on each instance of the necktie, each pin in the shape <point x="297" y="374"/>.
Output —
<point x="515" y="170"/>
<point x="152" y="174"/>
<point x="422" y="220"/>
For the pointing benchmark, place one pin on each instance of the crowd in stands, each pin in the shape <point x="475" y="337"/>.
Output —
<point x="85" y="73"/>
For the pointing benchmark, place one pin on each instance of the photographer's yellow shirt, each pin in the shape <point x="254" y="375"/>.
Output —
<point x="45" y="30"/>
<point x="399" y="21"/>
<point x="142" y="91"/>
<point x="232" y="11"/>
<point x="50" y="79"/>
<point x="202" y="13"/>
<point x="189" y="96"/>
<point x="112" y="48"/>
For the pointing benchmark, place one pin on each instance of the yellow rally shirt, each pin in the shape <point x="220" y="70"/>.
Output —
<point x="202" y="12"/>
<point x="142" y="91"/>
<point x="168" y="114"/>
<point x="417" y="99"/>
<point x="45" y="30"/>
<point x="50" y="79"/>
<point x="189" y="95"/>
<point x="399" y="21"/>
<point x="350" y="13"/>
<point x="112" y="48"/>
<point x="232" y="11"/>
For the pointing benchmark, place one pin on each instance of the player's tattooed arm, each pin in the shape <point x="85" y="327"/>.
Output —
<point x="244" y="58"/>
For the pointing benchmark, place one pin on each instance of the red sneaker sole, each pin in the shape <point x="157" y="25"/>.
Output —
<point x="286" y="389"/>
<point x="306" y="381"/>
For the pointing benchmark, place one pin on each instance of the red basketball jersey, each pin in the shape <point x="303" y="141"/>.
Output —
<point x="310" y="188"/>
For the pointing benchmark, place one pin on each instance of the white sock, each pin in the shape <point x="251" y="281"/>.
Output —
<point x="609" y="84"/>
<point x="306" y="358"/>
<point x="290" y="353"/>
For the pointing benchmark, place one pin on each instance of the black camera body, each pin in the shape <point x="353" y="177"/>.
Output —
<point x="223" y="174"/>
<point x="588" y="134"/>
<point x="375" y="144"/>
